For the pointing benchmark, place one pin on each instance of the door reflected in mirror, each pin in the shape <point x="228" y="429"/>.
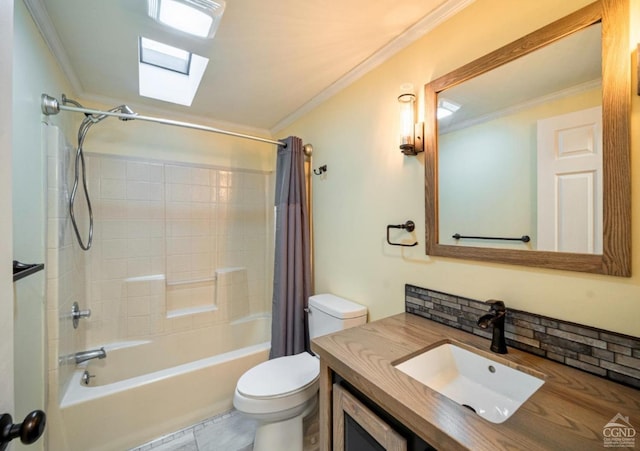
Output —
<point x="520" y="152"/>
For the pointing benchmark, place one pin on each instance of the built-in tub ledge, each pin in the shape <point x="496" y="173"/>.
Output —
<point x="191" y="311"/>
<point x="147" y="278"/>
<point x="248" y="318"/>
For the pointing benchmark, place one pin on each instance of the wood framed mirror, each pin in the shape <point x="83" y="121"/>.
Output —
<point x="612" y="256"/>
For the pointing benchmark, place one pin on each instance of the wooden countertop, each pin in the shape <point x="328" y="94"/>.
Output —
<point x="568" y="412"/>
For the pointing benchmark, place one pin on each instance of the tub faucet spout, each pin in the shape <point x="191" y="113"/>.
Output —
<point x="495" y="318"/>
<point x="88" y="355"/>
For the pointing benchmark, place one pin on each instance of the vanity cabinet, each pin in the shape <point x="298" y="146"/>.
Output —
<point x="361" y="361"/>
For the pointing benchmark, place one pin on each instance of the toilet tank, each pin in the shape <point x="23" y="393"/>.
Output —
<point x="329" y="313"/>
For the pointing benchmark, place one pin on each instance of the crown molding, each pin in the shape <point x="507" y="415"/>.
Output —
<point x="513" y="109"/>
<point x="423" y="26"/>
<point x="42" y="20"/>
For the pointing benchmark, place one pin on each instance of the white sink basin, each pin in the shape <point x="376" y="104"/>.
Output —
<point x="493" y="390"/>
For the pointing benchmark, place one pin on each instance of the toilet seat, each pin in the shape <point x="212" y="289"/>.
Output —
<point x="280" y="393"/>
<point x="280" y="377"/>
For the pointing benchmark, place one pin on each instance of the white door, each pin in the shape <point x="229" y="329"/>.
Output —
<point x="570" y="182"/>
<point x="6" y="240"/>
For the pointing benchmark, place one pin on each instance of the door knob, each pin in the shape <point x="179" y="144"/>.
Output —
<point x="29" y="430"/>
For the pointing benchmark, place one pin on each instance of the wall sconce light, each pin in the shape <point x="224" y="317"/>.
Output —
<point x="411" y="133"/>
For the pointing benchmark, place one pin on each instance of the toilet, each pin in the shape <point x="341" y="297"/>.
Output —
<point x="279" y="393"/>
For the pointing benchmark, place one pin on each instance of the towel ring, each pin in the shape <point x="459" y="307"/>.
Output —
<point x="409" y="226"/>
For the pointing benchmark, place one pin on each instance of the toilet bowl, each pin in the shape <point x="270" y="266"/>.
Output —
<point x="281" y="392"/>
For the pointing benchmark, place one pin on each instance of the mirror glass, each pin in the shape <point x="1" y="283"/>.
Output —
<point x="535" y="149"/>
<point x="523" y="140"/>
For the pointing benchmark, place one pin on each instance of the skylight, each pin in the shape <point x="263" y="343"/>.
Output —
<point x="168" y="73"/>
<point x="197" y="17"/>
<point x="165" y="56"/>
<point x="446" y="108"/>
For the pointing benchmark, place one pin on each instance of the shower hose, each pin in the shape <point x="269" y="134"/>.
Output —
<point x="80" y="167"/>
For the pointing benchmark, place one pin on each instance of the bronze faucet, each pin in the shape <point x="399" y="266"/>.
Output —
<point x="495" y="318"/>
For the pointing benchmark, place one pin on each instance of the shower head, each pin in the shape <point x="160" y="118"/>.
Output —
<point x="124" y="109"/>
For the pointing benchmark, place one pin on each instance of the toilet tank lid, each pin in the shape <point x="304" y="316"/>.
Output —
<point x="336" y="306"/>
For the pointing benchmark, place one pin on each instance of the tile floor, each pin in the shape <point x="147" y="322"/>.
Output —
<point x="230" y="431"/>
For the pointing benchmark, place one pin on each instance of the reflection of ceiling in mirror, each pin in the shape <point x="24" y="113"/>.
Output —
<point x="566" y="66"/>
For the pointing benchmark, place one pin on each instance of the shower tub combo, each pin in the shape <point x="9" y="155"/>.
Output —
<point x="176" y="340"/>
<point x="132" y="396"/>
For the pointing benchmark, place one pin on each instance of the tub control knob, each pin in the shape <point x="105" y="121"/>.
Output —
<point x="29" y="430"/>
<point x="76" y="314"/>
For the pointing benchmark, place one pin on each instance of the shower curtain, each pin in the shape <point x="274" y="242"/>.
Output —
<point x="292" y="270"/>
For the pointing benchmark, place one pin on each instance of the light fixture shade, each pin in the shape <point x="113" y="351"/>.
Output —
<point x="406" y="101"/>
<point x="410" y="133"/>
<point x="197" y="17"/>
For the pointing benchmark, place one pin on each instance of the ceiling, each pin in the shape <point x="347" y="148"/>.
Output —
<point x="269" y="63"/>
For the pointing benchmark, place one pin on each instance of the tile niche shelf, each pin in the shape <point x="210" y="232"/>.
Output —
<point x="22" y="270"/>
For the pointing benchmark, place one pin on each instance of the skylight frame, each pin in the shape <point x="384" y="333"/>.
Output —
<point x="159" y="82"/>
<point x="200" y="18"/>
<point x="143" y="49"/>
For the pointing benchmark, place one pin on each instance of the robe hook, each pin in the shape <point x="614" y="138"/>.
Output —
<point x="321" y="170"/>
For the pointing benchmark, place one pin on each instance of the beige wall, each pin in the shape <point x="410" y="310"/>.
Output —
<point x="369" y="184"/>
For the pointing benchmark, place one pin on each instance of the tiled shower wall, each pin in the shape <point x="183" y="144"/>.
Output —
<point x="167" y="238"/>
<point x="176" y="247"/>
<point x="66" y="262"/>
<point x="597" y="351"/>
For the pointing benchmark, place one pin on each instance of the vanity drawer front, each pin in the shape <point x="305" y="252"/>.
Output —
<point x="356" y="428"/>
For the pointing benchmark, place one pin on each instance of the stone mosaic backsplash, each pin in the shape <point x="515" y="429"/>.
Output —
<point x="607" y="354"/>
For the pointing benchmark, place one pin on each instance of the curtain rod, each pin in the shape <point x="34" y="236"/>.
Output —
<point x="50" y="105"/>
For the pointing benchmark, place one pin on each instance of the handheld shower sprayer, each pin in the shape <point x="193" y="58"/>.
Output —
<point x="50" y="106"/>
<point x="124" y="109"/>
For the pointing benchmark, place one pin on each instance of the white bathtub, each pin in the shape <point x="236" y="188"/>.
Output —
<point x="132" y="399"/>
